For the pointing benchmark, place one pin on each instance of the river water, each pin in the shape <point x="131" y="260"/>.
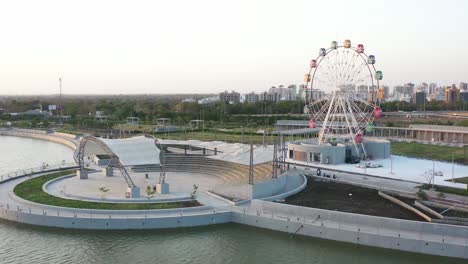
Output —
<point x="227" y="243"/>
<point x="21" y="153"/>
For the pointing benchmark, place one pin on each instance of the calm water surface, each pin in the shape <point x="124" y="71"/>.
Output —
<point x="228" y="243"/>
<point x="20" y="153"/>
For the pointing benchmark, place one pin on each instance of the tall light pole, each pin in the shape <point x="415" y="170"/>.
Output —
<point x="60" y="96"/>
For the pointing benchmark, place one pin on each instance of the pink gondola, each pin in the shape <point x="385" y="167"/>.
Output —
<point x="313" y="63"/>
<point x="377" y="112"/>
<point x="312" y="123"/>
<point x="360" y="48"/>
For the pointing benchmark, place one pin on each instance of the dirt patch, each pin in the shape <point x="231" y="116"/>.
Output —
<point x="351" y="199"/>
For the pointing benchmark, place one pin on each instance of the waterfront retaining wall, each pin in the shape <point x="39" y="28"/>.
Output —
<point x="112" y="222"/>
<point x="68" y="141"/>
<point x="413" y="236"/>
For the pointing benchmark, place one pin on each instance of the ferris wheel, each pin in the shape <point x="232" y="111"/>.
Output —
<point x="342" y="94"/>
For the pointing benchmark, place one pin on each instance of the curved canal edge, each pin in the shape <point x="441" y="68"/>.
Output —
<point x="68" y="140"/>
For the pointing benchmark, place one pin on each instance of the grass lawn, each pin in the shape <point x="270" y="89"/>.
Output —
<point x="212" y="136"/>
<point x="429" y="151"/>
<point x="31" y="190"/>
<point x="230" y="137"/>
<point x="445" y="189"/>
<point x="462" y="180"/>
<point x="452" y="190"/>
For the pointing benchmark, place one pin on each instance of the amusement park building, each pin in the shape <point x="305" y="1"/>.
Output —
<point x="309" y="151"/>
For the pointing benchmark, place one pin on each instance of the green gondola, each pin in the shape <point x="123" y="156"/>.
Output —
<point x="370" y="128"/>
<point x="334" y="45"/>
<point x="378" y="75"/>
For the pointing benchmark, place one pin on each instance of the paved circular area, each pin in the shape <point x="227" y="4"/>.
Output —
<point x="181" y="185"/>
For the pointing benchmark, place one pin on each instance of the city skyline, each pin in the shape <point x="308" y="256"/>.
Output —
<point x="209" y="47"/>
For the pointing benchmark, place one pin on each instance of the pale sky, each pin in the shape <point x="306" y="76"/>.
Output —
<point x="204" y="46"/>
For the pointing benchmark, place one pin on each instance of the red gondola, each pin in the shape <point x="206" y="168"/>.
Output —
<point x="377" y="112"/>
<point x="358" y="138"/>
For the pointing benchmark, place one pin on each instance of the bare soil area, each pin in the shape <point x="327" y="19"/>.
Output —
<point x="342" y="197"/>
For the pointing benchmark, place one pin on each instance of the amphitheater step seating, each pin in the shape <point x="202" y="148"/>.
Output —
<point x="231" y="173"/>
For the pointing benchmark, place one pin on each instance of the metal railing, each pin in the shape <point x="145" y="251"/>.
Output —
<point x="65" y="212"/>
<point x="45" y="167"/>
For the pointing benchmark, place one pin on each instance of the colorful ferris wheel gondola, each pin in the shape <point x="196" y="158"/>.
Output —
<point x="377" y="112"/>
<point x="347" y="44"/>
<point x="360" y="48"/>
<point x="359" y="138"/>
<point x="378" y="75"/>
<point x="322" y="52"/>
<point x="312" y="123"/>
<point x="370" y="128"/>
<point x="313" y="63"/>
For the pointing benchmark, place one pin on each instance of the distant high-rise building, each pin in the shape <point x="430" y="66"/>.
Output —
<point x="284" y="94"/>
<point x="386" y="92"/>
<point x="317" y="94"/>
<point x="420" y="98"/>
<point x="250" y="97"/>
<point x="362" y="91"/>
<point x="302" y="92"/>
<point x="230" y="97"/>
<point x="409" y="88"/>
<point x="423" y="87"/>
<point x="464" y="96"/>
<point x="463" y="86"/>
<point x="439" y="94"/>
<point x="452" y="94"/>
<point x="372" y="95"/>
<point x="269" y="97"/>
<point x="403" y="93"/>
<point x="432" y="88"/>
